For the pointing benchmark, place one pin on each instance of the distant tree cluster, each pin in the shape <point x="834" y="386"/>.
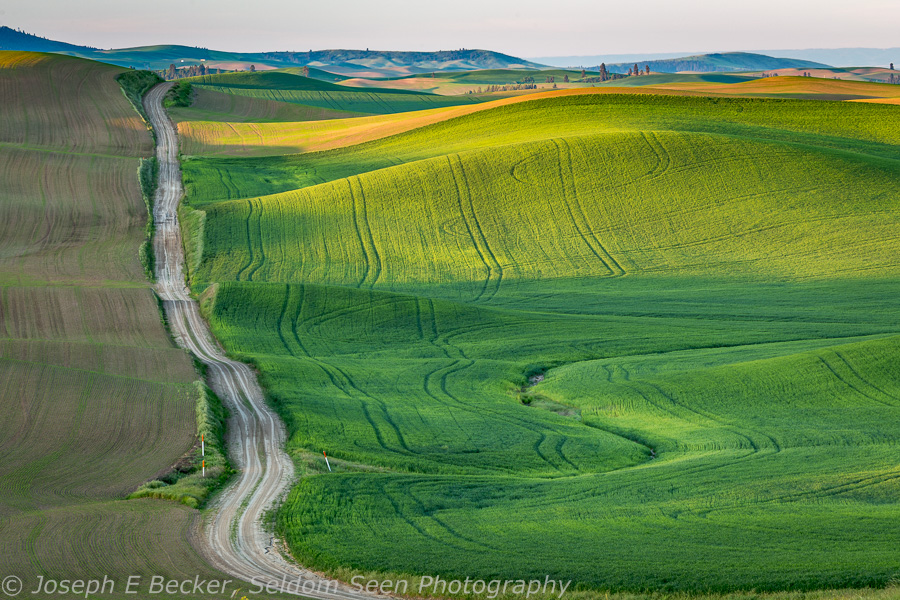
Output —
<point x="894" y="79"/>
<point x="509" y="87"/>
<point x="181" y="94"/>
<point x="636" y="70"/>
<point x="604" y="75"/>
<point x="174" y="72"/>
<point x="770" y="74"/>
<point x="607" y="75"/>
<point x="293" y="57"/>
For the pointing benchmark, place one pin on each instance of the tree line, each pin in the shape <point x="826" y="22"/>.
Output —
<point x="509" y="87"/>
<point x="174" y="72"/>
<point x="603" y="75"/>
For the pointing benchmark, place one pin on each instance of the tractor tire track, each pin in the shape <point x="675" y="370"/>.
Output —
<point x="582" y="226"/>
<point x="364" y="233"/>
<point x="249" y="243"/>
<point x="494" y="270"/>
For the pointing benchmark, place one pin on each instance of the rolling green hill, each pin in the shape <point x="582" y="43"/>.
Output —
<point x="645" y="342"/>
<point x="293" y="88"/>
<point x="865" y="129"/>
<point x="221" y="107"/>
<point x="271" y="80"/>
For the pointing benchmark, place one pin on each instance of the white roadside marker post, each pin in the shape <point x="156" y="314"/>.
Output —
<point x="326" y="461"/>
<point x="203" y="452"/>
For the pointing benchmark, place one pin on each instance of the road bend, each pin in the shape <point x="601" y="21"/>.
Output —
<point x="233" y="538"/>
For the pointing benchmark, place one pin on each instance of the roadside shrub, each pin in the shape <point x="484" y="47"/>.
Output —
<point x="181" y="94"/>
<point x="135" y="84"/>
<point x="185" y="482"/>
<point x="147" y="175"/>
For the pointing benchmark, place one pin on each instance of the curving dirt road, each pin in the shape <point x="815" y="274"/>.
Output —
<point x="233" y="539"/>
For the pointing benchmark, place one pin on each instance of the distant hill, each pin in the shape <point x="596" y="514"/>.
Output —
<point x="14" y="39"/>
<point x="445" y="60"/>
<point x="836" y="57"/>
<point x="367" y="63"/>
<point x="845" y="57"/>
<point x="583" y="60"/>
<point x="292" y="87"/>
<point x="721" y="62"/>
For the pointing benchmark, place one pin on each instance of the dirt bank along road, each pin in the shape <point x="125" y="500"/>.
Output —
<point x="233" y="539"/>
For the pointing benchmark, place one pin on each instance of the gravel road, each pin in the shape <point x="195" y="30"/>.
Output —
<point x="233" y="538"/>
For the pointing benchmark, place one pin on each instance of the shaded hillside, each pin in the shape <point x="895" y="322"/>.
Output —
<point x="13" y="39"/>
<point x="727" y="61"/>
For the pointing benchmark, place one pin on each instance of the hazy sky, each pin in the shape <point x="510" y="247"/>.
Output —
<point x="520" y="27"/>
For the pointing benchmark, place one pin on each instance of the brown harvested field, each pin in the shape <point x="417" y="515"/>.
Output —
<point x="84" y="436"/>
<point x="860" y="74"/>
<point x="114" y="538"/>
<point x="791" y="87"/>
<point x="439" y="84"/>
<point x="879" y="100"/>
<point x="95" y="399"/>
<point x="70" y="105"/>
<point x="114" y="317"/>
<point x="69" y="217"/>
<point x="69" y="148"/>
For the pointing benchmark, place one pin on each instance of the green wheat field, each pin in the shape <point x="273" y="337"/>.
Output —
<point x="644" y="342"/>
